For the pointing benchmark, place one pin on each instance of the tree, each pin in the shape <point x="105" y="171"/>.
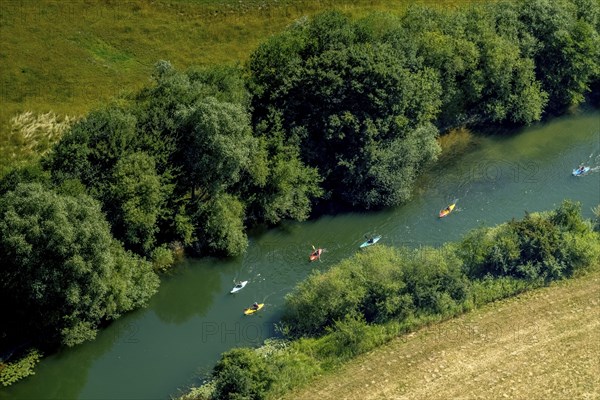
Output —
<point x="505" y="84"/>
<point x="568" y="50"/>
<point x="62" y="273"/>
<point x="137" y="197"/>
<point x="105" y="152"/>
<point x="90" y="150"/>
<point x="219" y="225"/>
<point x="216" y="146"/>
<point x="345" y="98"/>
<point x="288" y="186"/>
<point x="435" y="39"/>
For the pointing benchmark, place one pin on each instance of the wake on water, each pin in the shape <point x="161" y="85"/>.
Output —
<point x="593" y="163"/>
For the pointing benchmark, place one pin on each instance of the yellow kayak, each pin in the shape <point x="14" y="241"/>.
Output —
<point x="251" y="310"/>
<point x="447" y="210"/>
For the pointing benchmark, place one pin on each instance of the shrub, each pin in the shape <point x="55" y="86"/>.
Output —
<point x="162" y="258"/>
<point x="546" y="246"/>
<point x="435" y="281"/>
<point x="242" y="374"/>
<point x="323" y="298"/>
<point x="596" y="211"/>
<point x="17" y="370"/>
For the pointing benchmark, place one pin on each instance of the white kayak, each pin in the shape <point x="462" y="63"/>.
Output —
<point x="239" y="287"/>
<point x="370" y="242"/>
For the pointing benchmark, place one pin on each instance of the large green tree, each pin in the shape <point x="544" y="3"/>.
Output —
<point x="347" y="100"/>
<point x="216" y="146"/>
<point x="62" y="273"/>
<point x="288" y="186"/>
<point x="136" y="201"/>
<point x="483" y="58"/>
<point x="568" y="47"/>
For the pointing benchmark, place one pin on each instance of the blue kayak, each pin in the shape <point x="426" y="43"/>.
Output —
<point x="579" y="172"/>
<point x="370" y="242"/>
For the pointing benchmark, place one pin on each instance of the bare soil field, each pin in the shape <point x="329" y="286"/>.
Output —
<point x="544" y="344"/>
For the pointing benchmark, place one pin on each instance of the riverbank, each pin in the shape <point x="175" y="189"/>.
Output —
<point x="541" y="344"/>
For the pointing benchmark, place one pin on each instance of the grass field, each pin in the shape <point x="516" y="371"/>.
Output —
<point x="543" y="344"/>
<point x="69" y="56"/>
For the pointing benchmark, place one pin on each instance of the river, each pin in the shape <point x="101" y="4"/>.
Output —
<point x="154" y="352"/>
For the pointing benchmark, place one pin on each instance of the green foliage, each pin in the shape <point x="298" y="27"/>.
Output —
<point x="481" y="55"/>
<point x="216" y="145"/>
<point x="220" y="226"/>
<point x="322" y="299"/>
<point x="568" y="217"/>
<point x="289" y="186"/>
<point x="384" y="284"/>
<point x="378" y="286"/>
<point x="435" y="281"/>
<point x="490" y="288"/>
<point x="596" y="211"/>
<point x="348" y="338"/>
<point x="62" y="273"/>
<point x="162" y="258"/>
<point x="137" y="196"/>
<point x="293" y="367"/>
<point x="242" y="374"/>
<point x="92" y="147"/>
<point x="16" y="370"/>
<point x="179" y="162"/>
<point x="28" y="173"/>
<point x="358" y="114"/>
<point x="547" y="247"/>
<point x="381" y="293"/>
<point x="568" y="51"/>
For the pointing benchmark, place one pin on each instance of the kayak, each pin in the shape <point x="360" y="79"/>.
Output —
<point x="315" y="255"/>
<point x="239" y="287"/>
<point x="370" y="242"/>
<point x="249" y="311"/>
<point x="447" y="210"/>
<point x="578" y="172"/>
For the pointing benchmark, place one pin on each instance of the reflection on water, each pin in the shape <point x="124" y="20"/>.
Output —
<point x="177" y="301"/>
<point x="152" y="352"/>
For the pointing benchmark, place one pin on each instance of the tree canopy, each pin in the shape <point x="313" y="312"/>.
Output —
<point x="350" y="104"/>
<point x="62" y="272"/>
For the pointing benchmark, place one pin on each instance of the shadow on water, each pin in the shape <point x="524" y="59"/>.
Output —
<point x="189" y="290"/>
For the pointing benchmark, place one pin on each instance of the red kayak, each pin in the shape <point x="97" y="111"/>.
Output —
<point x="315" y="255"/>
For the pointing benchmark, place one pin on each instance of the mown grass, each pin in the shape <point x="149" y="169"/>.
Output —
<point x="71" y="56"/>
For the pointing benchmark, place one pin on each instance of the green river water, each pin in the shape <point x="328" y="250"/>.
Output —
<point x="154" y="352"/>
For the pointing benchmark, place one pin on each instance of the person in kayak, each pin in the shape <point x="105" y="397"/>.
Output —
<point x="255" y="306"/>
<point x="581" y="168"/>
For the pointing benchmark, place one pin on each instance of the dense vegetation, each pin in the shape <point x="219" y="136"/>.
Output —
<point x="329" y="114"/>
<point x="378" y="294"/>
<point x="63" y="273"/>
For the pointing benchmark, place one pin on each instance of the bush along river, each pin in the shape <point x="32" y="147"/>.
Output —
<point x="155" y="352"/>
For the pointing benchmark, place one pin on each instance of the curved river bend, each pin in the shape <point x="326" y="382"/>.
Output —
<point x="151" y="353"/>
